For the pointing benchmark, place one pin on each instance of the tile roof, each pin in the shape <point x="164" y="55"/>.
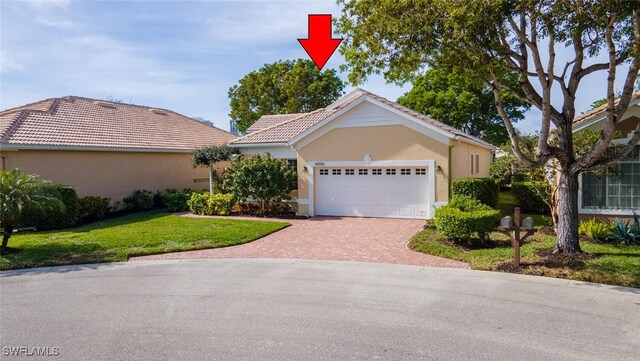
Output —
<point x="79" y="122"/>
<point x="286" y="130"/>
<point x="267" y="121"/>
<point x="599" y="110"/>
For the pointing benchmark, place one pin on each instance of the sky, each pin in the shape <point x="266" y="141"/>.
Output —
<point x="178" y="55"/>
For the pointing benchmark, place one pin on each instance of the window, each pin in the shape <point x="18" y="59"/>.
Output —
<point x="421" y="171"/>
<point x="618" y="190"/>
<point x="349" y="171"/>
<point x="363" y="171"/>
<point x="405" y="171"/>
<point x="376" y="171"/>
<point x="324" y="172"/>
<point x="477" y="163"/>
<point x="472" y="164"/>
<point x="293" y="165"/>
<point x="391" y="172"/>
<point x="336" y="171"/>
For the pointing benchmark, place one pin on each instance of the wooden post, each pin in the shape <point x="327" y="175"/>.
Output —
<point x="513" y="232"/>
<point x="516" y="239"/>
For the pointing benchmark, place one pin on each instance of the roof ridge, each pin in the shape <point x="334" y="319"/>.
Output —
<point x="148" y="107"/>
<point x="302" y="115"/>
<point x="26" y="106"/>
<point x="600" y="108"/>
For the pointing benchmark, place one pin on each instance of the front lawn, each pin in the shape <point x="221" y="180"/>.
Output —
<point x="138" y="234"/>
<point x="602" y="262"/>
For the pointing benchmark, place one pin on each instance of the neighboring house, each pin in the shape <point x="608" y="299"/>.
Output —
<point x="615" y="194"/>
<point x="105" y="149"/>
<point x="367" y="156"/>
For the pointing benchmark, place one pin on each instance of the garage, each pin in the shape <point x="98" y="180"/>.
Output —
<point x="389" y="192"/>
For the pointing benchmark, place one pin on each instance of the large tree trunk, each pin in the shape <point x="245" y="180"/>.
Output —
<point x="567" y="212"/>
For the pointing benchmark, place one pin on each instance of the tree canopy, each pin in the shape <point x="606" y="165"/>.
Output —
<point x="462" y="100"/>
<point x="401" y="38"/>
<point x="283" y="87"/>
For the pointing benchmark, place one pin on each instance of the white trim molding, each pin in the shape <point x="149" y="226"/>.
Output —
<point x="429" y="164"/>
<point x="327" y="124"/>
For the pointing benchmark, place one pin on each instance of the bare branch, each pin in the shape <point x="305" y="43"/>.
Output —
<point x="515" y="142"/>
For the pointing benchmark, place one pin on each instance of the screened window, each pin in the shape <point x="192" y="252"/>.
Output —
<point x="620" y="189"/>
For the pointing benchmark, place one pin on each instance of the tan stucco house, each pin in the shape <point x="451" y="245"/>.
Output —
<point x="367" y="156"/>
<point x="103" y="148"/>
<point x="614" y="195"/>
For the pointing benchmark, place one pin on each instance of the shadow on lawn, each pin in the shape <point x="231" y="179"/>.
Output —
<point x="55" y="254"/>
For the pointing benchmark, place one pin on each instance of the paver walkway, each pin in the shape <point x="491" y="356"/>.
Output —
<point x="380" y="240"/>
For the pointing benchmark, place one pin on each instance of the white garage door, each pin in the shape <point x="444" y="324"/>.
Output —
<point x="398" y="192"/>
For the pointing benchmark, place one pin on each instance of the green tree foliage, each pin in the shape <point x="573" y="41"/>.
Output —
<point x="461" y="99"/>
<point x="283" y="87"/>
<point x="209" y="156"/>
<point x="18" y="191"/>
<point x="260" y="177"/>
<point x="497" y="37"/>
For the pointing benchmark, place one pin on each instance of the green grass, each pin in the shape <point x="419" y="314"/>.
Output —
<point x="604" y="262"/>
<point x="138" y="234"/>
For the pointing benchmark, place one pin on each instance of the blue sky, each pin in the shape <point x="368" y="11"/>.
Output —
<point x="180" y="55"/>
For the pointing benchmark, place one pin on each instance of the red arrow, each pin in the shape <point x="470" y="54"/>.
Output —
<point x="320" y="45"/>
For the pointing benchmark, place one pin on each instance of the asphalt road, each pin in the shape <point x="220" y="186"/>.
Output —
<point x="310" y="310"/>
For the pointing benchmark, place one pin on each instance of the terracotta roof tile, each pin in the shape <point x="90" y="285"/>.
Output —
<point x="79" y="122"/>
<point x="601" y="109"/>
<point x="286" y="130"/>
<point x="267" y="121"/>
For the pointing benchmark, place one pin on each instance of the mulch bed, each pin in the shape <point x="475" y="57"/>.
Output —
<point x="550" y="264"/>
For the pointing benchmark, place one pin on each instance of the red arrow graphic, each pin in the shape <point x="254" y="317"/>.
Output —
<point x="320" y="45"/>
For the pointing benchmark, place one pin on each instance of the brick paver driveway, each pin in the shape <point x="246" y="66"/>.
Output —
<point x="330" y="238"/>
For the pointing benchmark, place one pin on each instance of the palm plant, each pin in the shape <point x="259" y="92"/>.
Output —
<point x="18" y="191"/>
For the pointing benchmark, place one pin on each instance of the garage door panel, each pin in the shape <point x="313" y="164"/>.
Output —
<point x="393" y="193"/>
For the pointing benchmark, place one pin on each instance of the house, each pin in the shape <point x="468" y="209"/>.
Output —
<point x="103" y="148"/>
<point x="367" y="156"/>
<point x="612" y="195"/>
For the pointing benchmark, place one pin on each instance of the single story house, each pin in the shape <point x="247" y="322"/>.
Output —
<point x="364" y="155"/>
<point x="613" y="195"/>
<point x="104" y="148"/>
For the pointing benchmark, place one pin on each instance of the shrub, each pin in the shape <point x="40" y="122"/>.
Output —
<point x="459" y="225"/>
<point x="501" y="170"/>
<point x="93" y="209"/>
<point x="175" y="200"/>
<point x="259" y="177"/>
<point x="467" y="204"/>
<point x="246" y="208"/>
<point x="139" y="200"/>
<point x="627" y="233"/>
<point x="54" y="217"/>
<point x="594" y="229"/>
<point x="483" y="189"/>
<point x="529" y="196"/>
<point x="206" y="204"/>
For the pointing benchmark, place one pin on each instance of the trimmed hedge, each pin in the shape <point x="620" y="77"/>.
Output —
<point x="216" y="204"/>
<point x="93" y="208"/>
<point x="528" y="196"/>
<point x="58" y="217"/>
<point x="175" y="200"/>
<point x="483" y="189"/>
<point x="464" y="218"/>
<point x="139" y="200"/>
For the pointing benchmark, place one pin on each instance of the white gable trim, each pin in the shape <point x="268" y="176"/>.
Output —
<point x="328" y="124"/>
<point x="600" y="117"/>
